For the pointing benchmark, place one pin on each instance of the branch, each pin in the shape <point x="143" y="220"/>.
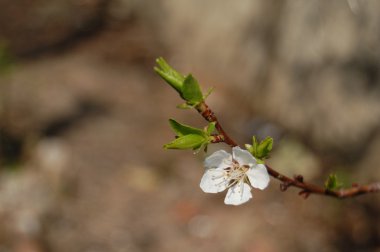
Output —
<point x="209" y="115"/>
<point x="287" y="182"/>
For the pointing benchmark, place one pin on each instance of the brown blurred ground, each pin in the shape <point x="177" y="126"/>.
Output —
<point x="83" y="119"/>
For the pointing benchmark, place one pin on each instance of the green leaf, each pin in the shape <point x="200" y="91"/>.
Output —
<point x="191" y="91"/>
<point x="249" y="148"/>
<point x="332" y="182"/>
<point x="191" y="141"/>
<point x="171" y="76"/>
<point x="187" y="87"/>
<point x="184" y="106"/>
<point x="209" y="91"/>
<point x="210" y="128"/>
<point x="252" y="148"/>
<point x="264" y="148"/>
<point x="182" y="129"/>
<point x="255" y="145"/>
<point x="260" y="150"/>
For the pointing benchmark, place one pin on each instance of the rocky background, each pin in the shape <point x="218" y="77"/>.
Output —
<point x="83" y="119"/>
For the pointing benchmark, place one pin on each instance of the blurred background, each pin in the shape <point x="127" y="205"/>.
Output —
<point x="83" y="119"/>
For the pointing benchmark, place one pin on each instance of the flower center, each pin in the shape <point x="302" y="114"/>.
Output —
<point x="236" y="173"/>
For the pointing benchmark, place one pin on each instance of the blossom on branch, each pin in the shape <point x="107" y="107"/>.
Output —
<point x="237" y="172"/>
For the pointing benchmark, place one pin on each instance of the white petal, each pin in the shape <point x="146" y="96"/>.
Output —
<point x="219" y="159"/>
<point x="213" y="181"/>
<point x="243" y="156"/>
<point x="238" y="194"/>
<point x="258" y="176"/>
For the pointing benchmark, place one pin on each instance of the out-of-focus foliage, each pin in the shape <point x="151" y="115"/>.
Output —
<point x="260" y="150"/>
<point x="6" y="60"/>
<point x="332" y="182"/>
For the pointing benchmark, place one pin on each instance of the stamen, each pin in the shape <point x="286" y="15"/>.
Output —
<point x="227" y="169"/>
<point x="234" y="182"/>
<point x="235" y="175"/>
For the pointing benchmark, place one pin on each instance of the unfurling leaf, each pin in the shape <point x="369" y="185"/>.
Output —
<point x="209" y="91"/>
<point x="182" y="129"/>
<point x="260" y="150"/>
<point x="184" y="106"/>
<point x="191" y="91"/>
<point x="210" y="128"/>
<point x="189" y="137"/>
<point x="191" y="141"/>
<point x="171" y="76"/>
<point x="332" y="182"/>
<point x="264" y="148"/>
<point x="187" y="86"/>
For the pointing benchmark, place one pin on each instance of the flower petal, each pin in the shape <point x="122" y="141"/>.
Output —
<point x="258" y="176"/>
<point x="238" y="194"/>
<point x="213" y="181"/>
<point x="219" y="159"/>
<point x="243" y="156"/>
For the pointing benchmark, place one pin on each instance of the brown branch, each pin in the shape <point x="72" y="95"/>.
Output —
<point x="207" y="114"/>
<point x="287" y="182"/>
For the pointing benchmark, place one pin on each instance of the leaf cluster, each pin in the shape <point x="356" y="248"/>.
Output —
<point x="260" y="150"/>
<point x="332" y="182"/>
<point x="189" y="137"/>
<point x="187" y="86"/>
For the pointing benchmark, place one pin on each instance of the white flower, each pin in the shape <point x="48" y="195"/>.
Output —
<point x="237" y="172"/>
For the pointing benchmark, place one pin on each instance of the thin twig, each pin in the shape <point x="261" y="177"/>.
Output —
<point x="209" y="115"/>
<point x="297" y="181"/>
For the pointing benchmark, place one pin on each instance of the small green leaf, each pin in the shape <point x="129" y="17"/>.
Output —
<point x="191" y="141"/>
<point x="252" y="148"/>
<point x="191" y="91"/>
<point x="182" y="129"/>
<point x="184" y="106"/>
<point x="264" y="148"/>
<point x="209" y="91"/>
<point x="332" y="182"/>
<point x="210" y="128"/>
<point x="249" y="148"/>
<point x="260" y="150"/>
<point x="171" y="76"/>
<point x="169" y="70"/>
<point x="254" y="142"/>
<point x="255" y="145"/>
<point x="201" y="147"/>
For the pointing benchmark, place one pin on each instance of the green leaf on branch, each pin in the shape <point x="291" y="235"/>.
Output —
<point x="184" y="106"/>
<point x="191" y="91"/>
<point x="187" y="86"/>
<point x="260" y="150"/>
<point x="189" y="137"/>
<point x="191" y="141"/>
<point x="209" y="91"/>
<point x="182" y="129"/>
<point x="265" y="147"/>
<point x="210" y="128"/>
<point x="171" y="76"/>
<point x="252" y="148"/>
<point x="332" y="182"/>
